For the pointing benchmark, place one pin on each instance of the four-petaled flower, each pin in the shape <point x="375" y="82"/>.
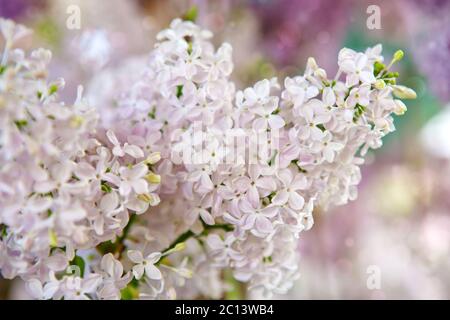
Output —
<point x="145" y="265"/>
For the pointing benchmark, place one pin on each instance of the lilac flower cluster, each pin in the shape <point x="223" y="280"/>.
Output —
<point x="63" y="185"/>
<point x="76" y="183"/>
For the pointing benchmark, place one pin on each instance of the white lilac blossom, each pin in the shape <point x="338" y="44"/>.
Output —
<point x="66" y="185"/>
<point x="181" y="138"/>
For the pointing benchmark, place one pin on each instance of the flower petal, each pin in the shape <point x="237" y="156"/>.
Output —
<point x="281" y="197"/>
<point x="214" y="242"/>
<point x="296" y="201"/>
<point x="152" y="272"/>
<point x="263" y="225"/>
<point x="133" y="151"/>
<point x="138" y="271"/>
<point x="276" y="122"/>
<point x="206" y="217"/>
<point x="135" y="256"/>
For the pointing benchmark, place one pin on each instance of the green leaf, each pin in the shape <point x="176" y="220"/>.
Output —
<point x="130" y="292"/>
<point x="106" y="247"/>
<point x="237" y="291"/>
<point x="79" y="262"/>
<point x="321" y="127"/>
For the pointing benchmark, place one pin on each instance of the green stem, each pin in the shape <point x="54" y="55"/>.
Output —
<point x="120" y="241"/>
<point x="117" y="247"/>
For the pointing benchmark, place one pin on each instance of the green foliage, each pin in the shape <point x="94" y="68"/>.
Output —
<point x="237" y="290"/>
<point x="79" y="262"/>
<point x="321" y="127"/>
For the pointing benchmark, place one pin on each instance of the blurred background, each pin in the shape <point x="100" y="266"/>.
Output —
<point x="398" y="230"/>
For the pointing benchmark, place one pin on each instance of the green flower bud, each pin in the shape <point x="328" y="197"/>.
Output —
<point x="191" y="14"/>
<point x="398" y="55"/>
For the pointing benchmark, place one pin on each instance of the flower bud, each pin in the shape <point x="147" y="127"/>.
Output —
<point x="153" y="178"/>
<point x="321" y="73"/>
<point x="403" y="92"/>
<point x="382" y="124"/>
<point x="312" y="64"/>
<point x="398" y="55"/>
<point x="178" y="247"/>
<point x="153" y="158"/>
<point x="53" y="240"/>
<point x="400" y="107"/>
<point x="380" y="84"/>
<point x="185" y="273"/>
<point x="152" y="199"/>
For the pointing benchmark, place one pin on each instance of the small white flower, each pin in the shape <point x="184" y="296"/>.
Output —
<point x="114" y="280"/>
<point x="120" y="150"/>
<point x="358" y="68"/>
<point x="359" y="95"/>
<point x="288" y="193"/>
<point x="133" y="179"/>
<point x="145" y="265"/>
